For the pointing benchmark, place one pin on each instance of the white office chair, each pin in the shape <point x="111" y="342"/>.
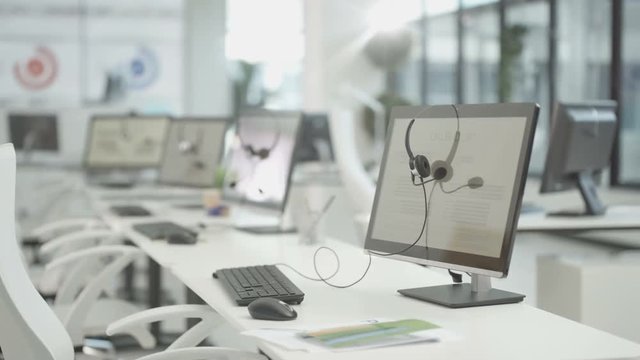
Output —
<point x="48" y="282"/>
<point x="185" y="346"/>
<point x="48" y="231"/>
<point x="29" y="329"/>
<point x="44" y="233"/>
<point x="89" y="274"/>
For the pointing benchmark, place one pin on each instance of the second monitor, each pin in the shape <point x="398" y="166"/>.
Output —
<point x="126" y="141"/>
<point x="261" y="159"/>
<point x="579" y="150"/>
<point x="193" y="151"/>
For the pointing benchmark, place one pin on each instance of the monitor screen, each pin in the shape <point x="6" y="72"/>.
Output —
<point x="261" y="158"/>
<point x="126" y="141"/>
<point x="30" y="131"/>
<point x="193" y="151"/>
<point x="463" y="215"/>
<point x="315" y="139"/>
<point x="581" y="141"/>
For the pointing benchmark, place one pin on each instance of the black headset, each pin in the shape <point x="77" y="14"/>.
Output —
<point x="260" y="153"/>
<point x="440" y="170"/>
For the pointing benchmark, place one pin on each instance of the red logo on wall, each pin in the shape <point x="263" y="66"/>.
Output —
<point x="37" y="72"/>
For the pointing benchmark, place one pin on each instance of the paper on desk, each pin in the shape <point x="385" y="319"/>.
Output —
<point x="361" y="335"/>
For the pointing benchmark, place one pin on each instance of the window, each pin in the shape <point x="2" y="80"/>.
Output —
<point x="629" y="160"/>
<point x="265" y="44"/>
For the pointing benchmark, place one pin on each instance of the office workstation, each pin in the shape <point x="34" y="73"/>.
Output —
<point x="292" y="179"/>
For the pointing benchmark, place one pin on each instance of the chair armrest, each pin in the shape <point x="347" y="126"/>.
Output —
<point x="75" y="318"/>
<point x="44" y="232"/>
<point x="136" y="325"/>
<point x="78" y="238"/>
<point x="205" y="353"/>
<point x="107" y="250"/>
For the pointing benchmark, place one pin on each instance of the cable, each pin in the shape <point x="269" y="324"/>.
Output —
<point x="335" y="254"/>
<point x="454" y="190"/>
<point x="422" y="182"/>
<point x="366" y="271"/>
<point x="422" y="230"/>
<point x="324" y="280"/>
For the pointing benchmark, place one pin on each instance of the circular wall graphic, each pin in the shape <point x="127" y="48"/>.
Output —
<point x="143" y="69"/>
<point x="38" y="71"/>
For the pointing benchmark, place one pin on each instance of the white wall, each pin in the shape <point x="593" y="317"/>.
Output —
<point x="88" y="39"/>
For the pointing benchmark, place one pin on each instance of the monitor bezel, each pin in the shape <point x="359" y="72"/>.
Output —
<point x="174" y="121"/>
<point x="552" y="173"/>
<point x="136" y="117"/>
<point x="495" y="267"/>
<point x="242" y="200"/>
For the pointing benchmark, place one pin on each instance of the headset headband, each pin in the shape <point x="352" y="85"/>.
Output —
<point x="407" y="140"/>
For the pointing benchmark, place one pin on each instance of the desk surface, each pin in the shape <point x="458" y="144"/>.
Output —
<point x="516" y="331"/>
<point x="620" y="217"/>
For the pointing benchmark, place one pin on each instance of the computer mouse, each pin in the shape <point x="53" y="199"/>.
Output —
<point x="181" y="238"/>
<point x="271" y="309"/>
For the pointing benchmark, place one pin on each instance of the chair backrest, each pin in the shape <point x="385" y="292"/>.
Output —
<point x="29" y="330"/>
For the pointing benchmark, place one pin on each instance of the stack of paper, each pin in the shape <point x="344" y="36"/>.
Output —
<point x="355" y="336"/>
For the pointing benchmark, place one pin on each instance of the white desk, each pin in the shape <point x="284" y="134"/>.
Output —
<point x="620" y="217"/>
<point x="516" y="331"/>
<point x="145" y="192"/>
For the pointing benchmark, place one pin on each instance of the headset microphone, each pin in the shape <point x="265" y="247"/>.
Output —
<point x="475" y="182"/>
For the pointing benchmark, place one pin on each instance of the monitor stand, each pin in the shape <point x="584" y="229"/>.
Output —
<point x="478" y="293"/>
<point x="589" y="191"/>
<point x="266" y="229"/>
<point x="260" y="222"/>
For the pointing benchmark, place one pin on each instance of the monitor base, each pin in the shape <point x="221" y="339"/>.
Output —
<point x="529" y="208"/>
<point x="267" y="230"/>
<point x="572" y="213"/>
<point x="478" y="293"/>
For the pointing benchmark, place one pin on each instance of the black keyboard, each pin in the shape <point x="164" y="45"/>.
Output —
<point x="246" y="284"/>
<point x="162" y="230"/>
<point x="130" y="210"/>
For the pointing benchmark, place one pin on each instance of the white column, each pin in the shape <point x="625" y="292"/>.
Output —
<point x="315" y="94"/>
<point x="207" y="87"/>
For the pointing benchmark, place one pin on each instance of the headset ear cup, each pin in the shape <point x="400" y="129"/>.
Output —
<point x="263" y="153"/>
<point x="422" y="166"/>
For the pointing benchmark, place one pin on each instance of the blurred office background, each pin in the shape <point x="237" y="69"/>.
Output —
<point x="217" y="57"/>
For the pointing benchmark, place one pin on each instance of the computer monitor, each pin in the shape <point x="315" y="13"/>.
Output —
<point x="579" y="149"/>
<point x="260" y="159"/>
<point x="315" y="139"/>
<point x="462" y="213"/>
<point x="31" y="131"/>
<point x="193" y="151"/>
<point x="126" y="142"/>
